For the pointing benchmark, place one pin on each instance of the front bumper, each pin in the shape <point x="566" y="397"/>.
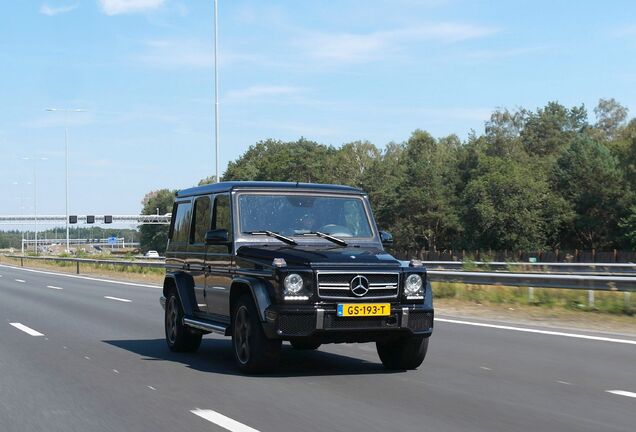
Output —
<point x="321" y="321"/>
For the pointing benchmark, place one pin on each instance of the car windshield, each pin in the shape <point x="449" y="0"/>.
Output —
<point x="299" y="215"/>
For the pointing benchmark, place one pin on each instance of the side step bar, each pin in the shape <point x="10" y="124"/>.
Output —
<point x="204" y="325"/>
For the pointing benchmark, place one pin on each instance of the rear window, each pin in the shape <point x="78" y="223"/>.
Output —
<point x="181" y="226"/>
<point x="201" y="219"/>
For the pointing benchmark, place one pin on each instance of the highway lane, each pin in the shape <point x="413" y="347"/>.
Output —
<point x="102" y="365"/>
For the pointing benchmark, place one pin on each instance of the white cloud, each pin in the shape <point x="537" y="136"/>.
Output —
<point x="119" y="7"/>
<point x="263" y="91"/>
<point x="362" y="47"/>
<point x="625" y="31"/>
<point x="192" y="53"/>
<point x="56" y="10"/>
<point x="487" y="55"/>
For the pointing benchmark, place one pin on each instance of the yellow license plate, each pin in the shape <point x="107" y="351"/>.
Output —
<point x="364" y="309"/>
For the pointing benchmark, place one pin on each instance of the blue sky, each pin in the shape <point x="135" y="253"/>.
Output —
<point x="331" y="71"/>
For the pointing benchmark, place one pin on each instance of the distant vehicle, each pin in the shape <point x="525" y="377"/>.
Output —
<point x="305" y="263"/>
<point x="152" y="254"/>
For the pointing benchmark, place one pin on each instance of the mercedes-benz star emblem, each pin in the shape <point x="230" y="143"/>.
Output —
<point x="359" y="286"/>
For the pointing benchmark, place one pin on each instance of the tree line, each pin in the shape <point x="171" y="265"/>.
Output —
<point x="541" y="179"/>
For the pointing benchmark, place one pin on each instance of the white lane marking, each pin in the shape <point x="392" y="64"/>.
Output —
<point x="54" y="287"/>
<point x="564" y="382"/>
<point x="223" y="421"/>
<point x="82" y="277"/>
<point x="544" y="332"/>
<point x="485" y="368"/>
<point x="20" y="280"/>
<point x="118" y="299"/>
<point x="622" y="393"/>
<point x="27" y="330"/>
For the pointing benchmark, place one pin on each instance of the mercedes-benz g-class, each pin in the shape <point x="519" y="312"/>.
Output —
<point x="267" y="262"/>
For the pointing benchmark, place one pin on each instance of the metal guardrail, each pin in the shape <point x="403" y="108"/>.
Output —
<point x="79" y="261"/>
<point x="552" y="267"/>
<point x="538" y="280"/>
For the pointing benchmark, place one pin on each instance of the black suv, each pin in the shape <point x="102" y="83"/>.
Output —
<point x="305" y="263"/>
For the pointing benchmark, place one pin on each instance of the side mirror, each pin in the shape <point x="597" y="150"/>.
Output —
<point x="217" y="236"/>
<point x="386" y="238"/>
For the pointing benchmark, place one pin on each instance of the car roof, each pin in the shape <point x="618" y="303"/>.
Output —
<point x="233" y="185"/>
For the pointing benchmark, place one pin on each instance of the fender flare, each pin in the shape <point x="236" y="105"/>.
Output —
<point x="185" y="290"/>
<point x="258" y="290"/>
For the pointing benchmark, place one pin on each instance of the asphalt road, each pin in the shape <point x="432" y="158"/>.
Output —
<point x="78" y="354"/>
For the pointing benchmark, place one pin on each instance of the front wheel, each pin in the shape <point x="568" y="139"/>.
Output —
<point x="179" y="337"/>
<point x="404" y="353"/>
<point x="253" y="351"/>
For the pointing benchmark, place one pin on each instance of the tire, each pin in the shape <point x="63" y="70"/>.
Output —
<point x="403" y="354"/>
<point x="179" y="337"/>
<point x="305" y="344"/>
<point x="253" y="351"/>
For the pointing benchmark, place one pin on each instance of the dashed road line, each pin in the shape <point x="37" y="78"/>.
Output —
<point x="54" y="287"/>
<point x="82" y="277"/>
<point x="20" y="280"/>
<point x="118" y="299"/>
<point x="27" y="330"/>
<point x="622" y="393"/>
<point x="222" y="421"/>
<point x="564" y="382"/>
<point x="544" y="332"/>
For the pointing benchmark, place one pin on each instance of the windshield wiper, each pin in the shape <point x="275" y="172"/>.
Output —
<point x="274" y="235"/>
<point x="331" y="238"/>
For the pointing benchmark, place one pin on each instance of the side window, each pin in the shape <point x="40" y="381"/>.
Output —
<point x="200" y="220"/>
<point x="181" y="222"/>
<point x="222" y="215"/>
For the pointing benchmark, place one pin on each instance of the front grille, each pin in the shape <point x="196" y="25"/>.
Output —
<point x="337" y="285"/>
<point x="333" y="322"/>
<point x="297" y="324"/>
<point x="420" y="321"/>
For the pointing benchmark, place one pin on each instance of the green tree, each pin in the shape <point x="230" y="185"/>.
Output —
<point x="155" y="237"/>
<point x="208" y="180"/>
<point x="550" y="129"/>
<point x="426" y="206"/>
<point x="382" y="181"/>
<point x="588" y="177"/>
<point x="628" y="224"/>
<point x="353" y="160"/>
<point x="503" y="133"/>
<point x="610" y="118"/>
<point x="504" y="206"/>
<point x="270" y="160"/>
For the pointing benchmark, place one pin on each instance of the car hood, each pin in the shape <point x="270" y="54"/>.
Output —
<point x="317" y="256"/>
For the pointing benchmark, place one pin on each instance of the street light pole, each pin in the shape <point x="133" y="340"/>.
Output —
<point x="35" y="195"/>
<point x="216" y="87"/>
<point x="66" y="111"/>
<point x="21" y="210"/>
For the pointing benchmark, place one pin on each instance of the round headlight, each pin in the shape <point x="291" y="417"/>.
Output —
<point x="413" y="285"/>
<point x="293" y="283"/>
